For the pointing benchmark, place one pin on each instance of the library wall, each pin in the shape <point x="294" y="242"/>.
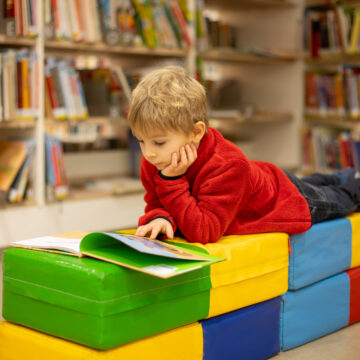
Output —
<point x="241" y="49"/>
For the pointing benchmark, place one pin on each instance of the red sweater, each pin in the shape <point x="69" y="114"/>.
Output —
<point x="224" y="193"/>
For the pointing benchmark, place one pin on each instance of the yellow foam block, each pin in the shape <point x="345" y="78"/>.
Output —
<point x="256" y="269"/>
<point x="355" y="228"/>
<point x="17" y="343"/>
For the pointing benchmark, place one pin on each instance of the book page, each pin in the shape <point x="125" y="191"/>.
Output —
<point x="156" y="247"/>
<point x="50" y="242"/>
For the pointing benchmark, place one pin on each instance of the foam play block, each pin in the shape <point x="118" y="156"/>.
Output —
<point x="319" y="309"/>
<point x="251" y="333"/>
<point x="102" y="305"/>
<point x="324" y="250"/>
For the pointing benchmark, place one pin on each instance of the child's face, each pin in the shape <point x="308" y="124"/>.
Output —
<point x="158" y="146"/>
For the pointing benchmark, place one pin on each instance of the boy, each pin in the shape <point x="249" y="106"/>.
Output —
<point x="202" y="186"/>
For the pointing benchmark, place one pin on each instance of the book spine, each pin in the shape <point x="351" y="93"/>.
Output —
<point x="49" y="26"/>
<point x="34" y="22"/>
<point x="12" y="85"/>
<point x="25" y="17"/>
<point x="50" y="178"/>
<point x="25" y="64"/>
<point x="65" y="20"/>
<point x="172" y="22"/>
<point x="9" y="18"/>
<point x="354" y="38"/>
<point x="2" y="16"/>
<point x="82" y="100"/>
<point x="35" y="85"/>
<point x="5" y="86"/>
<point x="64" y="189"/>
<point x="60" y="111"/>
<point x="19" y="84"/>
<point x="56" y="17"/>
<point x="66" y="89"/>
<point x="79" y="20"/>
<point x="352" y="94"/>
<point x="343" y="28"/>
<point x="1" y="87"/>
<point x="311" y="101"/>
<point x="181" y="21"/>
<point x="339" y="95"/>
<point x="51" y="91"/>
<point x="74" y="26"/>
<point x="95" y="20"/>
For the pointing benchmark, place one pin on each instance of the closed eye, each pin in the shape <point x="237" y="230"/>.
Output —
<point x="159" y="143"/>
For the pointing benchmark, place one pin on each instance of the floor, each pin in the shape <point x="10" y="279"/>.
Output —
<point x="341" y="345"/>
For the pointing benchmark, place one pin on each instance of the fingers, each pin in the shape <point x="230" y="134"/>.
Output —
<point x="191" y="152"/>
<point x="154" y="228"/>
<point x="174" y="160"/>
<point x="180" y="163"/>
<point x="169" y="230"/>
<point x="155" y="231"/>
<point x="188" y="155"/>
<point x="141" y="230"/>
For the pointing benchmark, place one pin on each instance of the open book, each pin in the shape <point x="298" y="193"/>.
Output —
<point x="152" y="257"/>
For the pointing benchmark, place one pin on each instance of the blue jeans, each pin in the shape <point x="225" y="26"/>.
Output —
<point x="329" y="196"/>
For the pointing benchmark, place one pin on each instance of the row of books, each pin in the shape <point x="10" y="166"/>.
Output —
<point x="67" y="89"/>
<point x="64" y="94"/>
<point x="212" y="32"/>
<point x="18" y="85"/>
<point x="332" y="30"/>
<point x="19" y="18"/>
<point x="333" y="93"/>
<point x="17" y="172"/>
<point x="325" y="150"/>
<point x="156" y="23"/>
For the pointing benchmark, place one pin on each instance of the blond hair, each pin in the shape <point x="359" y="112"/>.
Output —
<point x="165" y="99"/>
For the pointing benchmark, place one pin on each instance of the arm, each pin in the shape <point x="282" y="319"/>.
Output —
<point x="153" y="208"/>
<point x="206" y="217"/>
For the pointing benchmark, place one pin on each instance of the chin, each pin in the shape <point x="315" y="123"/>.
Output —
<point x="159" y="167"/>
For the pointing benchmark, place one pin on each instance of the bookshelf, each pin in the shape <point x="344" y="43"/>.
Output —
<point x="72" y="47"/>
<point x="331" y="99"/>
<point x="267" y="64"/>
<point x="237" y="57"/>
<point x="269" y="70"/>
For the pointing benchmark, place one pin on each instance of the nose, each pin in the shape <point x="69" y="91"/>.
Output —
<point x="149" y="154"/>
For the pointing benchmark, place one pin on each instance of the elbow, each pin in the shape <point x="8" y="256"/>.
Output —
<point x="203" y="239"/>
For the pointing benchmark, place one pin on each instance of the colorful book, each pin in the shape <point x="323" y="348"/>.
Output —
<point x="153" y="257"/>
<point x="12" y="156"/>
<point x="9" y="18"/>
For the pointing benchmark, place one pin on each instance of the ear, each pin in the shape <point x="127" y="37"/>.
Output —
<point x="198" y="131"/>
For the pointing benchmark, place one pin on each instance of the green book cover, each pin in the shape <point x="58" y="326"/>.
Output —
<point x="153" y="257"/>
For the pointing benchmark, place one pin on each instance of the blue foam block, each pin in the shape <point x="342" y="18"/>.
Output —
<point x="320" y="252"/>
<point x="314" y="311"/>
<point x="251" y="333"/>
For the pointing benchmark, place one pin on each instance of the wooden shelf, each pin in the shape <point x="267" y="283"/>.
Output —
<point x="15" y="41"/>
<point x="235" y="56"/>
<point x="348" y="3"/>
<point x="335" y="122"/>
<point x="17" y="124"/>
<point x="18" y="205"/>
<point x="90" y="119"/>
<point x="333" y="59"/>
<point x="257" y="118"/>
<point x="252" y="3"/>
<point x="311" y="170"/>
<point x="105" y="49"/>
